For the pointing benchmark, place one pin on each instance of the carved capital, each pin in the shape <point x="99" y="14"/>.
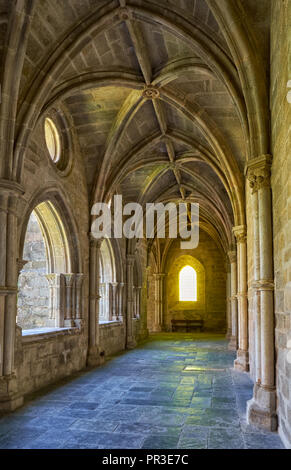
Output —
<point x="159" y="276"/>
<point x="12" y="188"/>
<point x="240" y="233"/>
<point x="258" y="172"/>
<point x="69" y="279"/>
<point x="95" y="242"/>
<point x="53" y="279"/>
<point x="150" y="92"/>
<point x="232" y="256"/>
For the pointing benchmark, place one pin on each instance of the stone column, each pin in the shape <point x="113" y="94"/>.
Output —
<point x="233" y="341"/>
<point x="242" y="361"/>
<point x="94" y="358"/>
<point x="134" y="301"/>
<point x="57" y="300"/>
<point x="262" y="408"/>
<point x="79" y="299"/>
<point x="69" y="295"/>
<point x="114" y="293"/>
<point x="138" y="300"/>
<point x="10" y="397"/>
<point x="120" y="301"/>
<point x="256" y="284"/>
<point x="228" y="302"/>
<point x="130" y="339"/>
<point x="159" y="298"/>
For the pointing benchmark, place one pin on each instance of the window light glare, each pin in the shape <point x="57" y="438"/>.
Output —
<point x="188" y="284"/>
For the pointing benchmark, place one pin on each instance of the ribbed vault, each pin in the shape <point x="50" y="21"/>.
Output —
<point x="161" y="97"/>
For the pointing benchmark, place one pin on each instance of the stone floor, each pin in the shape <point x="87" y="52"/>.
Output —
<point x="145" y="398"/>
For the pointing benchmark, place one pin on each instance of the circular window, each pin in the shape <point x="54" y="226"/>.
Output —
<point x="52" y="139"/>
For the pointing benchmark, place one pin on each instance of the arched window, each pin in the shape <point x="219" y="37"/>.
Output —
<point x="49" y="294"/>
<point x="188" y="284"/>
<point x="107" y="303"/>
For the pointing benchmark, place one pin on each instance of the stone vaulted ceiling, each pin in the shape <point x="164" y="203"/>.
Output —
<point x="154" y="95"/>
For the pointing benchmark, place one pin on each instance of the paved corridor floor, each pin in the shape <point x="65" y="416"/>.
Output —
<point x="176" y="391"/>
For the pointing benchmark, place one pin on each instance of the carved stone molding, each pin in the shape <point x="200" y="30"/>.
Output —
<point x="150" y="92"/>
<point x="240" y="233"/>
<point x="124" y="14"/>
<point x="258" y="172"/>
<point x="266" y="285"/>
<point x="95" y="242"/>
<point x="11" y="187"/>
<point x="232" y="256"/>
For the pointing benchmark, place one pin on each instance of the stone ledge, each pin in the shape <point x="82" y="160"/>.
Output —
<point x="40" y="334"/>
<point x="109" y="324"/>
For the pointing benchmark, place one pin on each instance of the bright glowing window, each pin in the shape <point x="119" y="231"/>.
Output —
<point x="52" y="139"/>
<point x="188" y="284"/>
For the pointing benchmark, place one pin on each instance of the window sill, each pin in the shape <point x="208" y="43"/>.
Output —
<point x="29" y="336"/>
<point x="110" y="323"/>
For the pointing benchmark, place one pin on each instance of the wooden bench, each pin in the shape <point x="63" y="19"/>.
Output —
<point x="188" y="324"/>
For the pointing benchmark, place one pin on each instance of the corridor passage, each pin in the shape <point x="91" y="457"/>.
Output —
<point x="176" y="391"/>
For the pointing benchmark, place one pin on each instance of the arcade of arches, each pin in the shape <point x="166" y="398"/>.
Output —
<point x="157" y="101"/>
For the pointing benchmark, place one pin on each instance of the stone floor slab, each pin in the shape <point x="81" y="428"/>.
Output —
<point x="145" y="398"/>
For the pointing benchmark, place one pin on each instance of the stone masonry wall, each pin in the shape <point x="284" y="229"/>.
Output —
<point x="45" y="359"/>
<point x="112" y="338"/>
<point x="281" y="186"/>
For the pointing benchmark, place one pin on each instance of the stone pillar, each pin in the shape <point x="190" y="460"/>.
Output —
<point x="138" y="301"/>
<point x="10" y="397"/>
<point x="256" y="285"/>
<point x="79" y="299"/>
<point x="242" y="361"/>
<point x="130" y="339"/>
<point x="114" y="293"/>
<point x="159" y="301"/>
<point x="262" y="408"/>
<point x="69" y="295"/>
<point x="233" y="341"/>
<point x="94" y="358"/>
<point x="120" y="301"/>
<point x="228" y="302"/>
<point x="134" y="301"/>
<point x="57" y="300"/>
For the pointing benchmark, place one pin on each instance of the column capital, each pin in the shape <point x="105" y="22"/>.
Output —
<point x="69" y="279"/>
<point x="159" y="275"/>
<point x="240" y="233"/>
<point x="53" y="279"/>
<point x="95" y="242"/>
<point x="258" y="172"/>
<point x="232" y="256"/>
<point x="11" y="188"/>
